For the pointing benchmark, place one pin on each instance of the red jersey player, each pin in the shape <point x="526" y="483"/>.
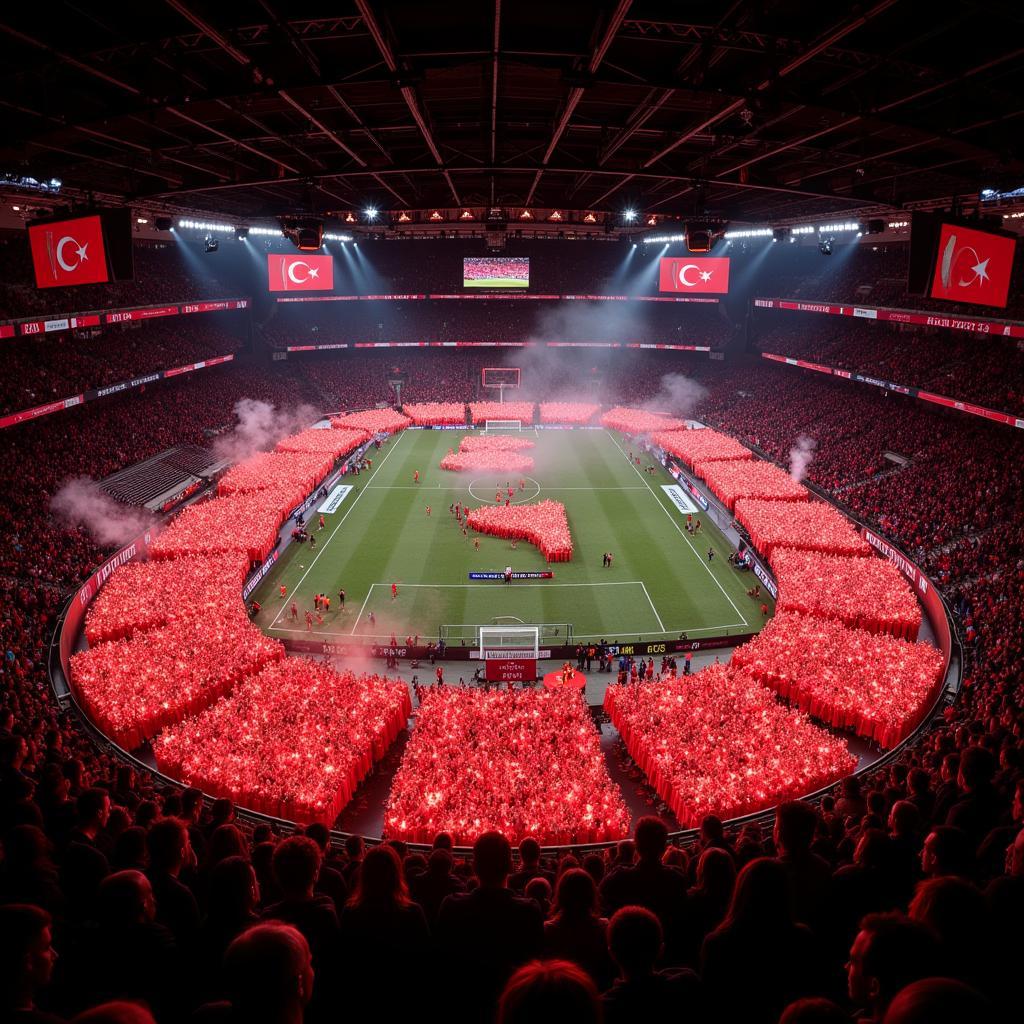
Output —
<point x="428" y="511"/>
<point x="511" y="493"/>
<point x="309" y="620"/>
<point x="522" y="484"/>
<point x="416" y="476"/>
<point x="295" y="612"/>
<point x="284" y="591"/>
<point x="394" y="591"/>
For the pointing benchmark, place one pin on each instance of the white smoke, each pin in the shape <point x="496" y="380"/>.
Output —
<point x="677" y="396"/>
<point x="800" y="457"/>
<point x="586" y="321"/>
<point x="81" y="502"/>
<point x="260" y="426"/>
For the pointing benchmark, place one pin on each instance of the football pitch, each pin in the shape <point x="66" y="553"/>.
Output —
<point x="661" y="582"/>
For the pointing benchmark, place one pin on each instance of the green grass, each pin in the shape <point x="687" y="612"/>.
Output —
<point x="660" y="585"/>
<point x="495" y="282"/>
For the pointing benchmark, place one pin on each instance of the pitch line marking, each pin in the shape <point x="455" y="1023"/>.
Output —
<point x="517" y="586"/>
<point x="576" y="636"/>
<point x="362" y="608"/>
<point x="653" y="609"/>
<point x="456" y="487"/>
<point x="323" y="547"/>
<point x="696" y="553"/>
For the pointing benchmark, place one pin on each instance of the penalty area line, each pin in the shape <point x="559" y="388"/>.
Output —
<point x="661" y="624"/>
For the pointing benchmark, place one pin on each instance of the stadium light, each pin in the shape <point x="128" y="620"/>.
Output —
<point x="831" y="229"/>
<point x="629" y="215"/>
<point x="371" y="213"/>
<point x="750" y="233"/>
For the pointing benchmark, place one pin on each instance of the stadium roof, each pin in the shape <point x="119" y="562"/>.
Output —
<point x="755" y="111"/>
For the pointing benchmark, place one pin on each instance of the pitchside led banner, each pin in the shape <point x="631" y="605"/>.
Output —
<point x="68" y="252"/>
<point x="300" y="273"/>
<point x="694" y="274"/>
<point x="973" y="266"/>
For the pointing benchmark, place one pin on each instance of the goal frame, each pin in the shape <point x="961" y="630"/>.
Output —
<point x="500" y="385"/>
<point x="467" y="634"/>
<point x="503" y="635"/>
<point x="503" y="426"/>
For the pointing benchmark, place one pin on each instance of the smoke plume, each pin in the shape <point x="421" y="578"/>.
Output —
<point x="81" y="502"/>
<point x="260" y="426"/>
<point x="800" y="457"/>
<point x="677" y="395"/>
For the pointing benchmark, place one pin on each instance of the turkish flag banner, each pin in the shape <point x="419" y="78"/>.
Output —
<point x="692" y="274"/>
<point x="300" y="273"/>
<point x="973" y="266"/>
<point x="68" y="252"/>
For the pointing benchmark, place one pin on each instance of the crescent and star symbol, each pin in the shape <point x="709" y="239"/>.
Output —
<point x="79" y="249"/>
<point x="949" y="264"/>
<point x="705" y="275"/>
<point x="980" y="267"/>
<point x="312" y="272"/>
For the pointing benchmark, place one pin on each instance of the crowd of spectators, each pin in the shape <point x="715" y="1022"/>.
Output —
<point x="496" y="320"/>
<point x="863" y="272"/>
<point x="983" y="369"/>
<point x="44" y="368"/>
<point x="162" y="275"/>
<point x="911" y="874"/>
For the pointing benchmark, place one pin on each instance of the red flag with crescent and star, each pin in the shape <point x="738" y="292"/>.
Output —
<point x="300" y="273"/>
<point x="973" y="266"/>
<point x="68" y="252"/>
<point x="694" y="274"/>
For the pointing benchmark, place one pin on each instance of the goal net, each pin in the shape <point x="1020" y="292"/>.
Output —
<point x="503" y="426"/>
<point x="464" y="634"/>
<point x="509" y="642"/>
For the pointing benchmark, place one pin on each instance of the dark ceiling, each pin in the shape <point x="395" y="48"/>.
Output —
<point x="753" y="111"/>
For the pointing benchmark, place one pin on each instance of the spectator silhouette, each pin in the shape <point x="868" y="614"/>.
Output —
<point x="549" y="992"/>
<point x="650" y="883"/>
<point x="170" y="852"/>
<point x="117" y="1012"/>
<point x="808" y="875"/>
<point x="26" y="963"/>
<point x="575" y="931"/>
<point x="938" y="1001"/>
<point x="234" y="895"/>
<point x="433" y="886"/>
<point x="84" y="865"/>
<point x="487" y="933"/>
<point x="380" y="928"/>
<point x="269" y="977"/>
<point x="890" y="951"/>
<point x="759" y="959"/>
<point x="640" y="992"/>
<point x="296" y="866"/>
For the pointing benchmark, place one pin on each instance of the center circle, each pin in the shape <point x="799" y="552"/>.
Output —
<point x="481" y="482"/>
